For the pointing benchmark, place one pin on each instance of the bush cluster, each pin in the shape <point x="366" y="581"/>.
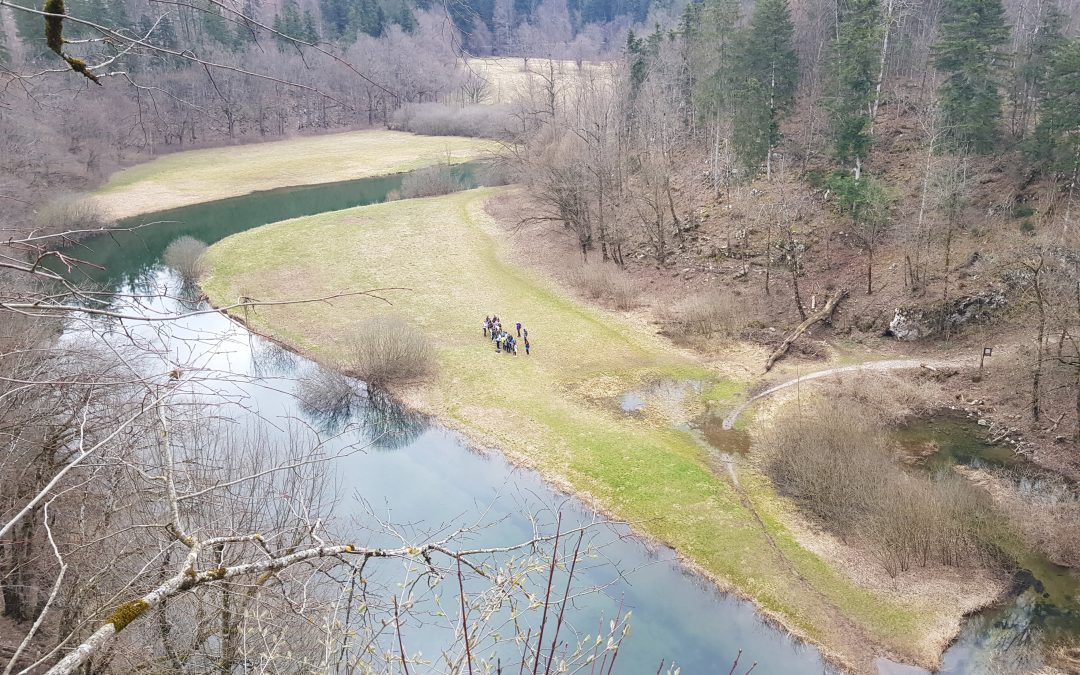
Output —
<point x="71" y="212"/>
<point x="439" y="119"/>
<point x="607" y="283"/>
<point x="185" y="256"/>
<point x="387" y="350"/>
<point x="707" y="315"/>
<point x="839" y="467"/>
<point x="430" y="182"/>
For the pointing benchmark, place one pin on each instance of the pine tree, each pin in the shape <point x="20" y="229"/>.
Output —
<point x="310" y="32"/>
<point x="290" y="24"/>
<point x="752" y="134"/>
<point x="365" y="16"/>
<point x="635" y="51"/>
<point x="1057" y="137"/>
<point x="713" y="55"/>
<point x="769" y="74"/>
<point x="335" y="13"/>
<point x="1033" y="65"/>
<point x="217" y="27"/>
<point x="405" y="19"/>
<point x="247" y="32"/>
<point x="855" y="63"/>
<point x="279" y="29"/>
<point x="972" y="31"/>
<point x="866" y="202"/>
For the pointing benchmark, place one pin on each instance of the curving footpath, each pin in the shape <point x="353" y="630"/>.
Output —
<point x="876" y="366"/>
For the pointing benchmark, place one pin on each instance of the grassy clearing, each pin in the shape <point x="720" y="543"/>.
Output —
<point x="511" y="78"/>
<point x="539" y="408"/>
<point x="205" y="175"/>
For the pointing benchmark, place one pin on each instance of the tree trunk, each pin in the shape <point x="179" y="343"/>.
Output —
<point x="1036" y="376"/>
<point x="821" y="315"/>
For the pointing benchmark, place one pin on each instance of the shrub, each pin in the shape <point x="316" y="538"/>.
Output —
<point x="388" y="350"/>
<point x="606" y="283"/>
<point x="495" y="173"/>
<point x="825" y="459"/>
<point x="889" y="397"/>
<point x="437" y="119"/>
<point x="185" y="256"/>
<point x="430" y="182"/>
<point x="708" y="314"/>
<point x="1022" y="211"/>
<point x="71" y="212"/>
<point x="1027" y="227"/>
<point x="836" y="463"/>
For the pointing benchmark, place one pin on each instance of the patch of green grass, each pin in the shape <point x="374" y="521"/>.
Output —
<point x="204" y="175"/>
<point x="446" y="252"/>
<point x="724" y="392"/>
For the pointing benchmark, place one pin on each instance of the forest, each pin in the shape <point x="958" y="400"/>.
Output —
<point x="803" y="281"/>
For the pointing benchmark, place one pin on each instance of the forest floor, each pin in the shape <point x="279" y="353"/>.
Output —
<point x="199" y="176"/>
<point x="559" y="410"/>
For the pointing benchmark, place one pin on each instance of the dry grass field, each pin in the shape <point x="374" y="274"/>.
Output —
<point x="512" y="78"/>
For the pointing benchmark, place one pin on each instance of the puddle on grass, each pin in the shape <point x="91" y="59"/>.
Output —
<point x="666" y="392"/>
<point x="731" y="441"/>
<point x="632" y="402"/>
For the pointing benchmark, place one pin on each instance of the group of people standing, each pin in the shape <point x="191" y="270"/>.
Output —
<point x="504" y="340"/>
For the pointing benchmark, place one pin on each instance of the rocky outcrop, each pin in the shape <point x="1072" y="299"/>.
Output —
<point x="915" y="323"/>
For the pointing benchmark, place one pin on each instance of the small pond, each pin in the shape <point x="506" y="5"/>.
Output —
<point x="1042" y="620"/>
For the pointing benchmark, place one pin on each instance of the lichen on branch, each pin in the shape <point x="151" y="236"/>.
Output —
<point x="126" y="613"/>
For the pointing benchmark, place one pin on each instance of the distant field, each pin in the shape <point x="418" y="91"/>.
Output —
<point x="559" y="408"/>
<point x="511" y="78"/>
<point x="198" y="176"/>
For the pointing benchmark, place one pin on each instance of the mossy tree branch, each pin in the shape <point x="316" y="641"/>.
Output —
<point x="55" y="12"/>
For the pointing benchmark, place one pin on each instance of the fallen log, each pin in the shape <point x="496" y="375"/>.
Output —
<point x="822" y="314"/>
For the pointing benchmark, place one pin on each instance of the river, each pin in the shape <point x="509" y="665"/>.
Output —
<point x="420" y="474"/>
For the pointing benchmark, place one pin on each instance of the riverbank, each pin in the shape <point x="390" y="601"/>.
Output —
<point x="557" y="410"/>
<point x="197" y="176"/>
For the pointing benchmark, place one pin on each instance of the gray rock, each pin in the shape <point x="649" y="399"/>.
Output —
<point x="921" y="322"/>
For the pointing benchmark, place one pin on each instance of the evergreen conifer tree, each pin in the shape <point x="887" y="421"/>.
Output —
<point x="335" y="13"/>
<point x="1032" y="65"/>
<point x="1057" y="137"/>
<point x="216" y="27"/>
<point x="247" y="32"/>
<point x="714" y="54"/>
<point x="972" y="32"/>
<point x="855" y="64"/>
<point x="769" y="74"/>
<point x="310" y="32"/>
<point x="406" y="20"/>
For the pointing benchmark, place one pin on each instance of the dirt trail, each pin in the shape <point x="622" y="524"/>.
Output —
<point x="893" y="364"/>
